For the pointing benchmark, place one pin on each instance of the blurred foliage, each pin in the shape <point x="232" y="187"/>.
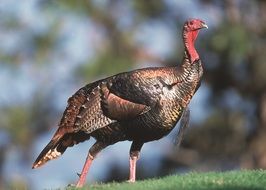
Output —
<point x="150" y="9"/>
<point x="16" y="124"/>
<point x="233" y="52"/>
<point x="102" y="66"/>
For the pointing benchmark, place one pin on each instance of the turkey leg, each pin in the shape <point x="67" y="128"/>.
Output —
<point x="134" y="156"/>
<point x="94" y="150"/>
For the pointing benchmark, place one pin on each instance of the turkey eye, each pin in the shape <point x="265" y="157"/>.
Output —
<point x="191" y="23"/>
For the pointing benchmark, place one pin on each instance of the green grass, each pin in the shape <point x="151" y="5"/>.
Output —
<point x="233" y="180"/>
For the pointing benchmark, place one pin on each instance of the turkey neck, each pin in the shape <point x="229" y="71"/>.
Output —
<point x="189" y="38"/>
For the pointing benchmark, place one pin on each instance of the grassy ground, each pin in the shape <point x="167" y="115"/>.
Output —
<point x="234" y="180"/>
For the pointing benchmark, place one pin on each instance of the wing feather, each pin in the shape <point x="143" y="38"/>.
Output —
<point x="118" y="108"/>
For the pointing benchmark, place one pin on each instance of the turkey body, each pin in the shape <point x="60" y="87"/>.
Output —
<point x="164" y="92"/>
<point x="140" y="106"/>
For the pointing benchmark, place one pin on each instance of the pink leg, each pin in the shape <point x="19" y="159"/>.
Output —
<point x="94" y="150"/>
<point x="86" y="167"/>
<point x="134" y="156"/>
<point x="132" y="165"/>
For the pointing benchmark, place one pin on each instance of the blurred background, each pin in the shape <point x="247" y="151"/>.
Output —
<point x="49" y="49"/>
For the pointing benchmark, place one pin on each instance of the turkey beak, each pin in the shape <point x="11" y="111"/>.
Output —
<point x="203" y="25"/>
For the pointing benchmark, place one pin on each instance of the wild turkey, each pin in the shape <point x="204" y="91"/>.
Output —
<point x="140" y="106"/>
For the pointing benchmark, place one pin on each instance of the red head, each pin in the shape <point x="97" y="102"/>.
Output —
<point x="194" y="24"/>
<point x="190" y="33"/>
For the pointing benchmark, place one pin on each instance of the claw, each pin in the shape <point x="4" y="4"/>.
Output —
<point x="130" y="181"/>
<point x="71" y="185"/>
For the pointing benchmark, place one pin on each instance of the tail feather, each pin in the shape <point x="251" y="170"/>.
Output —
<point x="57" y="146"/>
<point x="48" y="153"/>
